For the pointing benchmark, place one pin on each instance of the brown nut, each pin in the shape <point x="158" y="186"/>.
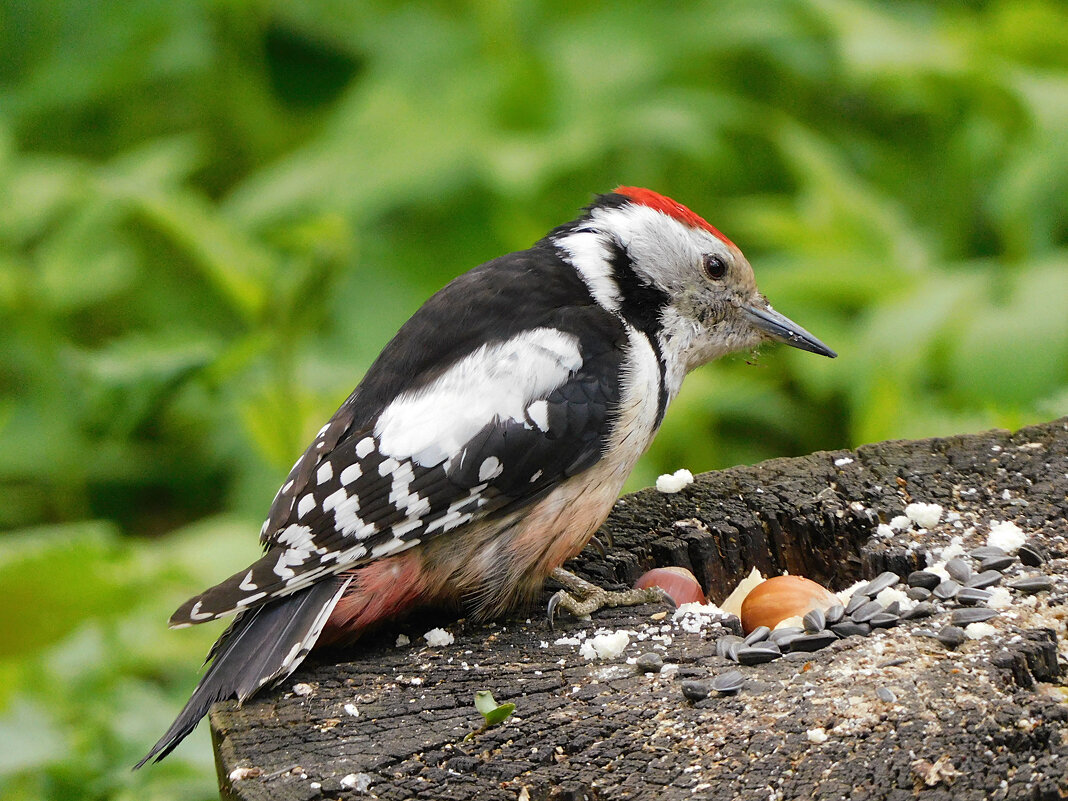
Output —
<point x="678" y="582"/>
<point x="778" y="598"/>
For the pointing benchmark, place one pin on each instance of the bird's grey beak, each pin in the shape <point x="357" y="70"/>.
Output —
<point x="783" y="329"/>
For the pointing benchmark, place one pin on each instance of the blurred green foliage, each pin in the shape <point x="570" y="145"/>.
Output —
<point x="214" y="214"/>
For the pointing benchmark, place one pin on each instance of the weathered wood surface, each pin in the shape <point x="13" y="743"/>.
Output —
<point x="988" y="720"/>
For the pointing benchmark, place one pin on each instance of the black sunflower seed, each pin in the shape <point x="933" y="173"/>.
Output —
<point x="866" y="612"/>
<point x="947" y="589"/>
<point x="813" y="642"/>
<point x="695" y="690"/>
<point x="951" y="636"/>
<point x="988" y="578"/>
<point x="1031" y="555"/>
<point x="958" y="569"/>
<point x="925" y="579"/>
<point x="729" y="682"/>
<point x="879" y="583"/>
<point x="1032" y="584"/>
<point x="998" y="563"/>
<point x="849" y="628"/>
<point x="965" y="617"/>
<point x="757" y="635"/>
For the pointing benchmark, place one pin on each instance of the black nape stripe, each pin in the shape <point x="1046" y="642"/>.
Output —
<point x="642" y="306"/>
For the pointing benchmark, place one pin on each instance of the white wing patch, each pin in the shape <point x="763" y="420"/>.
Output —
<point x="495" y="382"/>
<point x="591" y="258"/>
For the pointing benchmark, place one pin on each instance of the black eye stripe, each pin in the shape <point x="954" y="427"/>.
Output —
<point x="714" y="266"/>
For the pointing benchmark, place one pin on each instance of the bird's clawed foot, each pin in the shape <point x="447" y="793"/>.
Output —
<point x="581" y="598"/>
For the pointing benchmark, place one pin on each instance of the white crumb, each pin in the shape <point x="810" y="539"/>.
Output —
<point x="350" y="709"/>
<point x="674" y="482"/>
<point x="1000" y="598"/>
<point x="693" y="617"/>
<point x="900" y="523"/>
<point x="360" y="782"/>
<point x="977" y="631"/>
<point x="817" y="735"/>
<point x="938" y="568"/>
<point x="884" y="531"/>
<point x="240" y="774"/>
<point x="955" y="548"/>
<point x="1006" y="536"/>
<point x="847" y="593"/>
<point x="843" y="461"/>
<point x="438" y="637"/>
<point x="925" y="515"/>
<point x="302" y="689"/>
<point x="605" y="646"/>
<point x="567" y="641"/>
<point x="892" y="594"/>
<point x="732" y="604"/>
<point x="402" y="640"/>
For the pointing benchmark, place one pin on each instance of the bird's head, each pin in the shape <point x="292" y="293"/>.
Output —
<point x="673" y="275"/>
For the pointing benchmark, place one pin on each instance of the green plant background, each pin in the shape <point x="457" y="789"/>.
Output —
<point x="213" y="215"/>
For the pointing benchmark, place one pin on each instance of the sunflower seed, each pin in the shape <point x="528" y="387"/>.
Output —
<point x="925" y="579"/>
<point x="785" y="633"/>
<point x="986" y="552"/>
<point x="849" y="628"/>
<point x="883" y="620"/>
<point x="856" y="600"/>
<point x="814" y="621"/>
<point x="1032" y="584"/>
<point x="880" y="583"/>
<point x="813" y="642"/>
<point x="972" y="595"/>
<point x="951" y="636"/>
<point x="918" y="593"/>
<point x="958" y="569"/>
<point x="886" y="694"/>
<point x="923" y="609"/>
<point x="965" y="617"/>
<point x="947" y="589"/>
<point x="834" y="613"/>
<point x="758" y="634"/>
<point x="1031" y="554"/>
<point x="729" y="682"/>
<point x="987" y="578"/>
<point x="651" y="663"/>
<point x="724" y="643"/>
<point x="695" y="690"/>
<point x="867" y="612"/>
<point x="998" y="563"/>
<point x="894" y="608"/>
<point x="758" y="654"/>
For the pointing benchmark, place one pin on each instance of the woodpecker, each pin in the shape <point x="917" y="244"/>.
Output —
<point x="488" y="441"/>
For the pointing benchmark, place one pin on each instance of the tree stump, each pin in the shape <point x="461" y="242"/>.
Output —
<point x="893" y="715"/>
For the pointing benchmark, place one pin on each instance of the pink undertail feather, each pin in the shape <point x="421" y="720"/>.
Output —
<point x="380" y="591"/>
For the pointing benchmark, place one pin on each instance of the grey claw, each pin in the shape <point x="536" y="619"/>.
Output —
<point x="667" y="598"/>
<point x="596" y="543"/>
<point x="551" y="610"/>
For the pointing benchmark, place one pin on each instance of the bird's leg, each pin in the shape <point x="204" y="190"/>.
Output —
<point x="594" y="598"/>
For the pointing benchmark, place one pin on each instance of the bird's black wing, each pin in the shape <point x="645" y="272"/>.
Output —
<point x="491" y="433"/>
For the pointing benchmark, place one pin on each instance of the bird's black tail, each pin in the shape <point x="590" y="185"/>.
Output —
<point x="262" y="645"/>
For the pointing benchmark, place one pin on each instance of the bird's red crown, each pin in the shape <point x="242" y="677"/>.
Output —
<point x="672" y="208"/>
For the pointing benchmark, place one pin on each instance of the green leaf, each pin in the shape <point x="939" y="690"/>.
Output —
<point x="492" y="712"/>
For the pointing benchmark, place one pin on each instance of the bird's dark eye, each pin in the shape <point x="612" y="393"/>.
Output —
<point x="714" y="266"/>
